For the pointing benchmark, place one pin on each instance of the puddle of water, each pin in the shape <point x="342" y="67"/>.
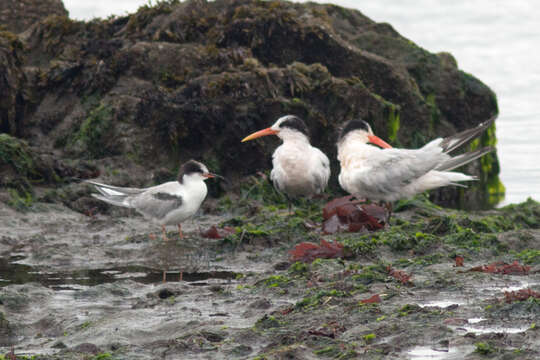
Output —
<point x="475" y="293"/>
<point x="14" y="273"/>
<point x="440" y="303"/>
<point x="427" y="352"/>
<point x="474" y="326"/>
<point x="475" y="320"/>
<point x="492" y="329"/>
<point x="510" y="285"/>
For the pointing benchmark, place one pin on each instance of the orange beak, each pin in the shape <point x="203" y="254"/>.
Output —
<point x="264" y="132"/>
<point x="210" y="175"/>
<point x="378" y="141"/>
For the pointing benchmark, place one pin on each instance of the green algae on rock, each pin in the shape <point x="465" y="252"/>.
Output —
<point x="12" y="84"/>
<point x="19" y="169"/>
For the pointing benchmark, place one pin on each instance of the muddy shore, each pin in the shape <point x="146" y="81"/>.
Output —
<point x="90" y="287"/>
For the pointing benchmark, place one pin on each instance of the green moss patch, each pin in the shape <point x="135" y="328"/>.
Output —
<point x="95" y="137"/>
<point x="18" y="169"/>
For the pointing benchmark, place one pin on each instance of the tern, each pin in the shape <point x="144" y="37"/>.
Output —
<point x="298" y="169"/>
<point x="389" y="174"/>
<point x="167" y="204"/>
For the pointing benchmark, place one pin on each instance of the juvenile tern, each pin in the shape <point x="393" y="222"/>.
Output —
<point x="299" y="169"/>
<point x="390" y="174"/>
<point x="167" y="204"/>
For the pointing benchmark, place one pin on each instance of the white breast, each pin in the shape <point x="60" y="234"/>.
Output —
<point x="193" y="194"/>
<point x="299" y="169"/>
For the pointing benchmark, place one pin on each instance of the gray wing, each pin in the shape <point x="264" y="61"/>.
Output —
<point x="158" y="204"/>
<point x="389" y="170"/>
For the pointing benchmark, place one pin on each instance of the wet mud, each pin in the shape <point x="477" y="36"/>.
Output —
<point x="91" y="287"/>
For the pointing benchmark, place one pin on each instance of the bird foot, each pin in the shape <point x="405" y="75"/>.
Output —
<point x="165" y="237"/>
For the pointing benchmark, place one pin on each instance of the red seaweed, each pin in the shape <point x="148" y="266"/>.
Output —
<point x="352" y="215"/>
<point x="375" y="299"/>
<point x="307" y="252"/>
<point x="399" y="275"/>
<point x="215" y="233"/>
<point x="502" y="268"/>
<point x="520" y="295"/>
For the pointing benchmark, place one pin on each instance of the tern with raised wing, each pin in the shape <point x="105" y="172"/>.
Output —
<point x="388" y="174"/>
<point x="167" y="204"/>
<point x="298" y="169"/>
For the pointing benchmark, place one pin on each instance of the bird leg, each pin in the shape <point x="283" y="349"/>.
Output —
<point x="180" y="233"/>
<point x="164" y="233"/>
<point x="289" y="215"/>
<point x="289" y="205"/>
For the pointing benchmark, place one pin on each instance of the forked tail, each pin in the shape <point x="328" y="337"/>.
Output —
<point x="463" y="159"/>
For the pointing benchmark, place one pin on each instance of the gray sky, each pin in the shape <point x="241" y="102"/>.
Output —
<point x="86" y="10"/>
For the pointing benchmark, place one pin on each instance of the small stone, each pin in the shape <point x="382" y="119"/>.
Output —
<point x="59" y="345"/>
<point x="212" y="336"/>
<point x="261" y="304"/>
<point x="165" y="293"/>
<point x="282" y="265"/>
<point x="87" y="348"/>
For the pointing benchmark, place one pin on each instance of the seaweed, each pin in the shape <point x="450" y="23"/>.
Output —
<point x="502" y="268"/>
<point x="308" y="252"/>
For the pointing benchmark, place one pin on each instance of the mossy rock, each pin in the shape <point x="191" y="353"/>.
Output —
<point x="17" y="164"/>
<point x="189" y="79"/>
<point x="22" y="168"/>
<point x="12" y="83"/>
<point x="95" y="137"/>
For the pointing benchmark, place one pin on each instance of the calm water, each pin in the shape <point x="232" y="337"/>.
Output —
<point x="497" y="41"/>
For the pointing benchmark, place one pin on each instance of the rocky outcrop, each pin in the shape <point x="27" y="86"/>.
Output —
<point x="18" y="15"/>
<point x="12" y="84"/>
<point x="176" y="81"/>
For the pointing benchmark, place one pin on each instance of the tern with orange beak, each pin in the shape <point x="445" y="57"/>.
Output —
<point x="389" y="174"/>
<point x="299" y="169"/>
<point x="167" y="204"/>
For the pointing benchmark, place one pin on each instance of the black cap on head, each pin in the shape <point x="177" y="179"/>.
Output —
<point x="189" y="167"/>
<point x="294" y="122"/>
<point x="352" y="125"/>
